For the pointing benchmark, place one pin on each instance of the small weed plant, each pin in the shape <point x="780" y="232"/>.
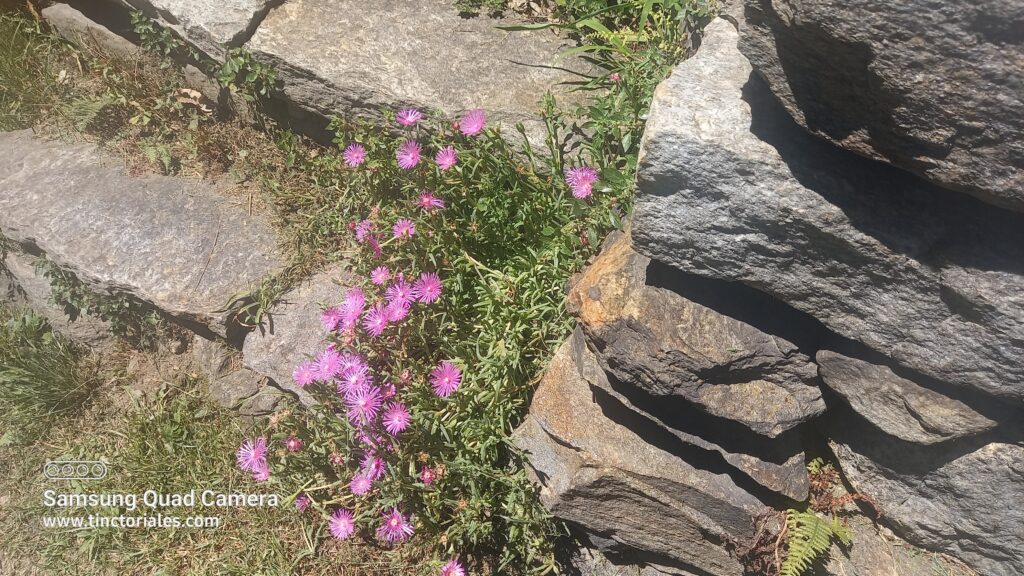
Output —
<point x="43" y="375"/>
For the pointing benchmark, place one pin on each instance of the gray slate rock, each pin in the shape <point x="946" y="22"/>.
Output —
<point x="595" y="471"/>
<point x="77" y="27"/>
<point x="778" y="464"/>
<point x="659" y="341"/>
<point x="173" y="243"/>
<point x="731" y="188"/>
<point x="877" y="552"/>
<point x="936" y="88"/>
<point x="961" y="498"/>
<point x="229" y="383"/>
<point x="355" y="57"/>
<point x="294" y="333"/>
<point x="899" y="406"/>
<point x="21" y="285"/>
<point x="212" y="26"/>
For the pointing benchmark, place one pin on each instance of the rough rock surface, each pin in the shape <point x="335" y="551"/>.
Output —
<point x="598" y="472"/>
<point x="355" y="56"/>
<point x="175" y="244"/>
<point x="667" y="345"/>
<point x="731" y="188"/>
<point x="777" y="464"/>
<point x="875" y="553"/>
<point x="896" y="405"/>
<point x="229" y="383"/>
<point x="959" y="497"/>
<point x="74" y="26"/>
<point x="212" y="26"/>
<point x="936" y="88"/>
<point x="20" y="284"/>
<point x="293" y="333"/>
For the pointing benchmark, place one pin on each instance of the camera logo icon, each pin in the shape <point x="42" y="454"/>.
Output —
<point x="74" y="470"/>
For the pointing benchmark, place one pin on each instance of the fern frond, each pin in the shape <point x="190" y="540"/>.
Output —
<point x="810" y="536"/>
<point x="82" y="111"/>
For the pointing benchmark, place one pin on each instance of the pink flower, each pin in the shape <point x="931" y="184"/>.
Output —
<point x="363" y="230"/>
<point x="360" y="484"/>
<point x="352" y="306"/>
<point x="472" y="123"/>
<point x="373" y="466"/>
<point x="380" y="275"/>
<point x="351" y="361"/>
<point x="331" y="317"/>
<point x="262" y="474"/>
<point x="355" y="378"/>
<point x="375" y="320"/>
<point x="375" y="245"/>
<point x="397" y="311"/>
<point x="396" y="418"/>
<point x="408" y="116"/>
<point x="363" y="404"/>
<point x="399" y="291"/>
<point x="453" y="568"/>
<point x="301" y="502"/>
<point x="445" y="379"/>
<point x="404" y="228"/>
<point x="427" y="288"/>
<point x="354" y="155"/>
<point x="293" y="443"/>
<point x="408" y="154"/>
<point x="336" y="459"/>
<point x="615" y="77"/>
<point x="252" y="455"/>
<point x="446" y="157"/>
<point x="328" y="365"/>
<point x="581" y="180"/>
<point x="341" y="524"/>
<point x="427" y="476"/>
<point x="304" y="374"/>
<point x="396" y="527"/>
<point x="429" y="202"/>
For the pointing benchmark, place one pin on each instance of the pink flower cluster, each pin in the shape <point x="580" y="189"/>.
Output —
<point x="409" y="153"/>
<point x="371" y="386"/>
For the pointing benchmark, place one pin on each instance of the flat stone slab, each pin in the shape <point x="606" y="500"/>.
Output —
<point x="896" y="405"/>
<point x="212" y="26"/>
<point x="293" y="333"/>
<point x="175" y="244"/>
<point x="74" y="26"/>
<point x="351" y="56"/>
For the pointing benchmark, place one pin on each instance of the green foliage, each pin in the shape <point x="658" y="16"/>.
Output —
<point x="809" y="537"/>
<point x="243" y="74"/>
<point x="32" y="71"/>
<point x="250" y="308"/>
<point x="816" y="465"/>
<point x="128" y="318"/>
<point x="42" y="374"/>
<point x="492" y="7"/>
<point x="153" y="37"/>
